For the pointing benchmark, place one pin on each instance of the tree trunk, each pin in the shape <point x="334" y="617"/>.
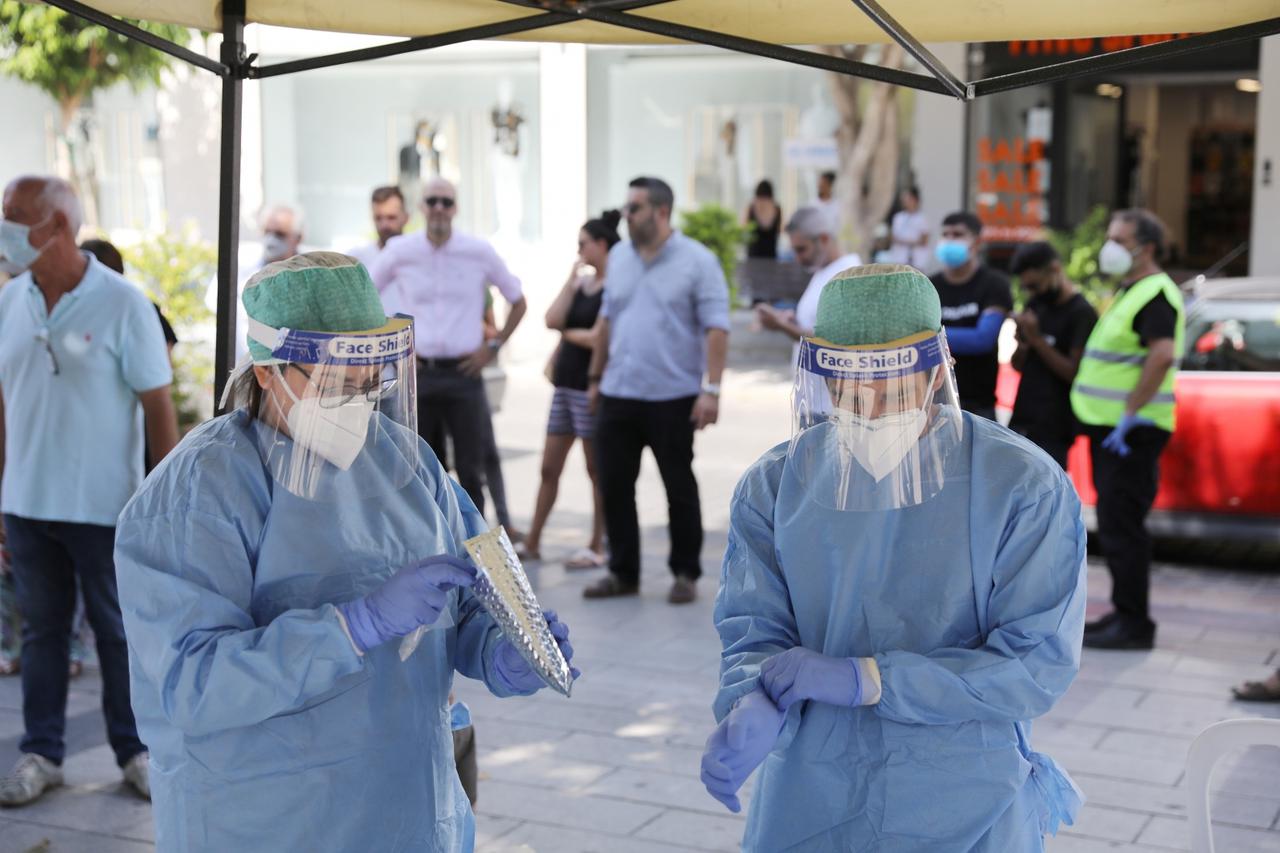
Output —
<point x="75" y="154"/>
<point x="867" y="147"/>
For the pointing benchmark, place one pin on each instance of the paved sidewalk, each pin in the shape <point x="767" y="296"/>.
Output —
<point x="615" y="768"/>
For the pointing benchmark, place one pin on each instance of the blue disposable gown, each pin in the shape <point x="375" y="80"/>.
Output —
<point x="972" y="604"/>
<point x="267" y="730"/>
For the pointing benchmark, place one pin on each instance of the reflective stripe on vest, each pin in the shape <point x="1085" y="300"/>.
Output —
<point x="1114" y="357"/>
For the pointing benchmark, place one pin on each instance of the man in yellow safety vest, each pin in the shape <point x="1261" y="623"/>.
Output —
<point x="1123" y="398"/>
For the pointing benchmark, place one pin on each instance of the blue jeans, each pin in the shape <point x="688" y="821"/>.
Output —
<point x="48" y="559"/>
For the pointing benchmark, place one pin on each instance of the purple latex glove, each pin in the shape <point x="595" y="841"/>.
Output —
<point x="739" y="744"/>
<point x="413" y="596"/>
<point x="799" y="673"/>
<point x="514" y="672"/>
<point x="1115" y="440"/>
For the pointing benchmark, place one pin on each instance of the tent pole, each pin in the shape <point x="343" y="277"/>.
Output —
<point x="912" y="45"/>
<point x="233" y="56"/>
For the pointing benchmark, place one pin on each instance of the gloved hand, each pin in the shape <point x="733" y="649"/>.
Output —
<point x="800" y="673"/>
<point x="738" y="745"/>
<point x="413" y="596"/>
<point x="514" y="671"/>
<point x="1115" y="442"/>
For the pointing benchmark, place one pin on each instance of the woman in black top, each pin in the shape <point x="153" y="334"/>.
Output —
<point x="765" y="214"/>
<point x="573" y="314"/>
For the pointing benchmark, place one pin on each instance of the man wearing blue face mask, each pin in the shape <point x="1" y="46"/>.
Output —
<point x="975" y="301"/>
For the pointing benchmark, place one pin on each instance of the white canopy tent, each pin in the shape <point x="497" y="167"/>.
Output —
<point x="766" y="28"/>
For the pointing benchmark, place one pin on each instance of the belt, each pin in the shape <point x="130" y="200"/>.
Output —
<point x="439" y="363"/>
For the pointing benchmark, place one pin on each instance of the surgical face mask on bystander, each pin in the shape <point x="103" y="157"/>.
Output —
<point x="953" y="254"/>
<point x="15" y="244"/>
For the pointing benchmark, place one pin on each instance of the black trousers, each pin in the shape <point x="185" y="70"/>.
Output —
<point x="624" y="429"/>
<point x="454" y="405"/>
<point x="1126" y="487"/>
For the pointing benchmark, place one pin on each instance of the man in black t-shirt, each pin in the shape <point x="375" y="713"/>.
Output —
<point x="1052" y="331"/>
<point x="975" y="301"/>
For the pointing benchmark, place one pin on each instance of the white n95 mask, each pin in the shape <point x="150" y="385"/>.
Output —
<point x="1114" y="259"/>
<point x="330" y="428"/>
<point x="880" y="444"/>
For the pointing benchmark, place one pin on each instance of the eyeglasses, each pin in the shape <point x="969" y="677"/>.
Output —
<point x="373" y="390"/>
<point x="42" y="337"/>
<point x="633" y="207"/>
<point x="442" y="201"/>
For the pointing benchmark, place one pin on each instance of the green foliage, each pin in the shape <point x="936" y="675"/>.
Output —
<point x="70" y="58"/>
<point x="716" y="227"/>
<point x="1079" y="249"/>
<point x="175" y="270"/>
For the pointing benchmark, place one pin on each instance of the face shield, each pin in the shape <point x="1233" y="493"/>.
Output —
<point x="873" y="425"/>
<point x="337" y="417"/>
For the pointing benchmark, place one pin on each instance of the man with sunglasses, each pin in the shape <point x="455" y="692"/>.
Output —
<point x="440" y="279"/>
<point x="654" y="379"/>
<point x="83" y="366"/>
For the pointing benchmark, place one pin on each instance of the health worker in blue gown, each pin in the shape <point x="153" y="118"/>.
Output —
<point x="902" y="593"/>
<point x="267" y="572"/>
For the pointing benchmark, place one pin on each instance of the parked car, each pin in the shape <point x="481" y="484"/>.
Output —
<point x="1220" y="475"/>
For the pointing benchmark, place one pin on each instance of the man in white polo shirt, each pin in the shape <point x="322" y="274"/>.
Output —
<point x="83" y="365"/>
<point x="440" y="278"/>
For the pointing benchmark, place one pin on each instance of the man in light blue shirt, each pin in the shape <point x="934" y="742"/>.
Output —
<point x="83" y="364"/>
<point x="655" y="375"/>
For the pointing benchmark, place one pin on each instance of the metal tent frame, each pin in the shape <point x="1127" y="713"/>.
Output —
<point x="234" y="66"/>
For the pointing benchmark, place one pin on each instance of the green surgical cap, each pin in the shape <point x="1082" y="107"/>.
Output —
<point x="876" y="304"/>
<point x="313" y="292"/>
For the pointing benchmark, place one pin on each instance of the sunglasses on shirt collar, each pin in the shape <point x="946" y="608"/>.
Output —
<point x="438" y="201"/>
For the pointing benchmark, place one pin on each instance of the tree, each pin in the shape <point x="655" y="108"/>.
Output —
<point x="70" y="59"/>
<point x="867" y="145"/>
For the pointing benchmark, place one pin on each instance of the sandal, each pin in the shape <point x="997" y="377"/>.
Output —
<point x="1259" y="691"/>
<point x="585" y="558"/>
<point x="525" y="555"/>
<point x="10" y="666"/>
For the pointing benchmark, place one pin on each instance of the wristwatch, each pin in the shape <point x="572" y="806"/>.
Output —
<point x="494" y="346"/>
<point x="711" y="389"/>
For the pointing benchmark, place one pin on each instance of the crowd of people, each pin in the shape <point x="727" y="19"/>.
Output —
<point x="903" y="589"/>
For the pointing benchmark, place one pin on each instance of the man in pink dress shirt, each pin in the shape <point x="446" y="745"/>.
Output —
<point x="440" y="278"/>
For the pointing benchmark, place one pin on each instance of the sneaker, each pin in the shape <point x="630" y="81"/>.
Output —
<point x="30" y="777"/>
<point x="137" y="772"/>
<point x="683" y="591"/>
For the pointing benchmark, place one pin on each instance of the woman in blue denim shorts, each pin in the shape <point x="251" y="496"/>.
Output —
<point x="573" y="314"/>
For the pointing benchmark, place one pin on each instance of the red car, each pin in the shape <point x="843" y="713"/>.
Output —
<point x="1220" y="474"/>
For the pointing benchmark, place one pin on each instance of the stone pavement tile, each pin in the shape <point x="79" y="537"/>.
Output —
<point x="498" y="735"/>
<point x="1159" y="771"/>
<point x="659" y="789"/>
<point x="1249" y="777"/>
<point x="143" y="831"/>
<point x="1220" y="671"/>
<point x="11" y="724"/>
<point x="489" y="829"/>
<point x="631" y="752"/>
<point x="609" y="721"/>
<point x="1232" y="635"/>
<point x="94" y="798"/>
<point x="1230" y="653"/>
<point x="1066" y="843"/>
<point x="17" y="837"/>
<point x="1258" y="812"/>
<point x="539" y="764"/>
<point x="1109" y="824"/>
<point x="1163" y="682"/>
<point x="566" y="809"/>
<point x="1083" y="695"/>
<point x="1172" y="833"/>
<point x="696" y="830"/>
<point x="1145" y="744"/>
<point x="540" y="838"/>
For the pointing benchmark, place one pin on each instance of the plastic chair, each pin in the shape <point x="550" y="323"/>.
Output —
<point x="1210" y="745"/>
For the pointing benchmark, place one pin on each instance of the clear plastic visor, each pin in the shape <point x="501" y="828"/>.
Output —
<point x="873" y="425"/>
<point x="337" y="413"/>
